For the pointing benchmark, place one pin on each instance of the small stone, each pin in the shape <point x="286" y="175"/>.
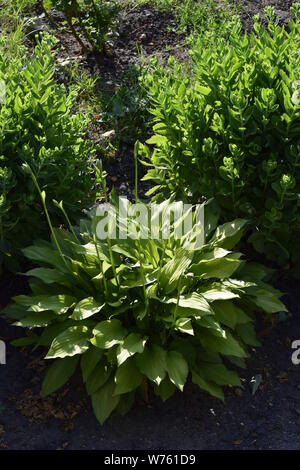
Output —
<point x="109" y="135"/>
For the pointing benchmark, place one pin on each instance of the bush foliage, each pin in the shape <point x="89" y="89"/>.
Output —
<point x="230" y="130"/>
<point x="139" y="312"/>
<point x="38" y="125"/>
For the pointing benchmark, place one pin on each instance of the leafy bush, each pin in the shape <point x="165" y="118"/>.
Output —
<point x="135" y="312"/>
<point x="231" y="131"/>
<point x="95" y="19"/>
<point x="37" y="125"/>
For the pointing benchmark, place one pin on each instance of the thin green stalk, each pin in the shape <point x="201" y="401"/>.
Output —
<point x="101" y="265"/>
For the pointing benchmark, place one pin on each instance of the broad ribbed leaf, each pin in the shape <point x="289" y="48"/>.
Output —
<point x="229" y="234"/>
<point x="86" y="308"/>
<point x="128" y="377"/>
<point x="133" y="343"/>
<point x="172" y="271"/>
<point x="98" y="377"/>
<point x="40" y="303"/>
<point x="89" y="360"/>
<point x="219" y="374"/>
<point x="229" y="314"/>
<point x="165" y="389"/>
<point x="74" y="340"/>
<point x="177" y="368"/>
<point x="108" y="333"/>
<point x="210" y="387"/>
<point x="104" y="401"/>
<point x="58" y="374"/>
<point x="48" y="276"/>
<point x="228" y="346"/>
<point x="220" y="268"/>
<point x="152" y="363"/>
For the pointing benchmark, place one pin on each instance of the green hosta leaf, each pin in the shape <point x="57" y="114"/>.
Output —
<point x="36" y="320"/>
<point x="127" y="378"/>
<point x="177" y="369"/>
<point x="185" y="326"/>
<point x="165" y="389"/>
<point x="218" y="294"/>
<point x="74" y="340"/>
<point x="48" y="276"/>
<point x="108" y="333"/>
<point x="14" y="311"/>
<point x="86" y="308"/>
<point x="229" y="234"/>
<point x="268" y="301"/>
<point x="98" y="377"/>
<point x="58" y="374"/>
<point x="220" y="268"/>
<point x="228" y="346"/>
<point x="40" y="303"/>
<point x="210" y="387"/>
<point x="104" y="401"/>
<point x="133" y="343"/>
<point x="219" y="374"/>
<point x="247" y="333"/>
<point x="89" y="360"/>
<point x="212" y="324"/>
<point x="229" y="314"/>
<point x="152" y="363"/>
<point x="195" y="301"/>
<point x="174" y="269"/>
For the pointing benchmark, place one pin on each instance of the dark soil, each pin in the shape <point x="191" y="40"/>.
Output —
<point x="269" y="419"/>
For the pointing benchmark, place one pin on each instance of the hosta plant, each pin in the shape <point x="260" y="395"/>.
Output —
<point x="139" y="313"/>
<point x="230" y="130"/>
<point x="38" y="125"/>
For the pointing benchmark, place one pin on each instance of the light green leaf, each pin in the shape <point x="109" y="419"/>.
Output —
<point x="48" y="276"/>
<point x="220" y="268"/>
<point x="133" y="343"/>
<point x="174" y="269"/>
<point x="56" y="303"/>
<point x="185" y="326"/>
<point x="108" y="333"/>
<point x="74" y="340"/>
<point x="177" y="369"/>
<point x="86" y="308"/>
<point x="152" y="363"/>
<point x="229" y="234"/>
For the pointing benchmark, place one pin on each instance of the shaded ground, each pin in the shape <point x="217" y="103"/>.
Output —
<point x="193" y="420"/>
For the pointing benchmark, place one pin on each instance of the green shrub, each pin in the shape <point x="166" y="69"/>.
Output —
<point x="135" y="312"/>
<point x="231" y="129"/>
<point x="96" y="19"/>
<point x="38" y="126"/>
